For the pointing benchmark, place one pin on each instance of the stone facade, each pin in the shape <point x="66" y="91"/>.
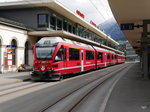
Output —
<point x="15" y="39"/>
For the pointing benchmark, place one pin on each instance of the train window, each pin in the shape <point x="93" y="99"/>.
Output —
<point x="61" y="54"/>
<point x="53" y="22"/>
<point x="47" y="42"/>
<point x="74" y="54"/>
<point x="44" y="52"/>
<point x="108" y="56"/>
<point x="42" y="20"/>
<point x="112" y="56"/>
<point x="99" y="55"/>
<point x="89" y="55"/>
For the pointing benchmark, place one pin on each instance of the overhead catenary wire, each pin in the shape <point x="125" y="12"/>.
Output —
<point x="105" y="19"/>
<point x="97" y="9"/>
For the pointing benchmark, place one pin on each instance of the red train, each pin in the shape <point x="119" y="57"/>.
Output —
<point x="56" y="56"/>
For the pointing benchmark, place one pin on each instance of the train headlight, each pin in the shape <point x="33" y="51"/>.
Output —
<point x="43" y="68"/>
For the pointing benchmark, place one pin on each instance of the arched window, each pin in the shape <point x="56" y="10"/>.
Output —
<point x="14" y="46"/>
<point x="26" y="54"/>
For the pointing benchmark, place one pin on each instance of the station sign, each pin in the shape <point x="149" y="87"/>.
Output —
<point x="127" y="26"/>
<point x="13" y="46"/>
<point x="93" y="23"/>
<point x="80" y="14"/>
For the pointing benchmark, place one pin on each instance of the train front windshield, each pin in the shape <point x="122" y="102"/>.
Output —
<point x="45" y="52"/>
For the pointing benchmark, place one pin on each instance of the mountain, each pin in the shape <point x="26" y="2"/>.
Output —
<point x="111" y="28"/>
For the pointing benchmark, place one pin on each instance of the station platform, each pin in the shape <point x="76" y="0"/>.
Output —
<point x="131" y="93"/>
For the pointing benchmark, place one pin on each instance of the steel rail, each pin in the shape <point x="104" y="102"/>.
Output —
<point x="17" y="89"/>
<point x="102" y="79"/>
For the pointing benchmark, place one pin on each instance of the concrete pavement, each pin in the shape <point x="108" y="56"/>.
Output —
<point x="13" y="77"/>
<point x="131" y="93"/>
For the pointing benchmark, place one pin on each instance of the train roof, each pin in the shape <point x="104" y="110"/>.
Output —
<point x="102" y="49"/>
<point x="54" y="40"/>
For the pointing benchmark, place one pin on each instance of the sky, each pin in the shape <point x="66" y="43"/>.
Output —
<point x="99" y="12"/>
<point x="96" y="10"/>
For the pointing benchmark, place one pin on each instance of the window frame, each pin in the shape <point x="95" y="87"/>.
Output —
<point x="54" y="24"/>
<point x="101" y="56"/>
<point x="42" y="24"/>
<point x="65" y="25"/>
<point x="70" y="29"/>
<point x="62" y="51"/>
<point x="108" y="56"/>
<point x="89" y="55"/>
<point x="61" y="24"/>
<point x="72" y="54"/>
<point x="14" y="51"/>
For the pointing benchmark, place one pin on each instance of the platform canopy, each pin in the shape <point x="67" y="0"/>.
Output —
<point x="71" y="37"/>
<point x="130" y="14"/>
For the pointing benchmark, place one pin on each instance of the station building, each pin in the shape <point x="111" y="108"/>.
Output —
<point x="23" y="23"/>
<point x="14" y="37"/>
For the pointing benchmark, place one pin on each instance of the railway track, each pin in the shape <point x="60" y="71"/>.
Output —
<point x="71" y="101"/>
<point x="51" y="97"/>
<point x="19" y="86"/>
<point x="15" y="85"/>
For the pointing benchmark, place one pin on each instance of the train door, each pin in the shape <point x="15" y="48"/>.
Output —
<point x="82" y="60"/>
<point x="105" y="59"/>
<point x="108" y="59"/>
